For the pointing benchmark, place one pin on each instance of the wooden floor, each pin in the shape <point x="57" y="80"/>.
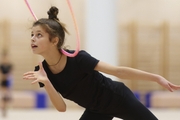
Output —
<point x="74" y="114"/>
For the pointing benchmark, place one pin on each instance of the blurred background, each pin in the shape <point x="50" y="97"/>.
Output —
<point x="143" y="34"/>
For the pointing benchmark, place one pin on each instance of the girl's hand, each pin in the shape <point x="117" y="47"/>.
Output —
<point x="37" y="76"/>
<point x="168" y="85"/>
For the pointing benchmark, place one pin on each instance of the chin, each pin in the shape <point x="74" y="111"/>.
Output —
<point x="35" y="52"/>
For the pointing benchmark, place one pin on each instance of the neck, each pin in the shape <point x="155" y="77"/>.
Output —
<point x="60" y="66"/>
<point x="57" y="61"/>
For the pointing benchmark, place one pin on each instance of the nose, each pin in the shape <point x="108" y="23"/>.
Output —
<point x="33" y="38"/>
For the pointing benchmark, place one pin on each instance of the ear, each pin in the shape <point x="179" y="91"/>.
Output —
<point x="55" y="40"/>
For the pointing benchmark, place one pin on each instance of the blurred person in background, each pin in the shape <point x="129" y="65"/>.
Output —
<point x="5" y="74"/>
<point x="79" y="78"/>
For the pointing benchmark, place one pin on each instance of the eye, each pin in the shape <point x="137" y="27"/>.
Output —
<point x="32" y="35"/>
<point x="39" y="35"/>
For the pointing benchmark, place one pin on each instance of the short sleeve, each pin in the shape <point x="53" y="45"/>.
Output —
<point x="85" y="61"/>
<point x="36" y="69"/>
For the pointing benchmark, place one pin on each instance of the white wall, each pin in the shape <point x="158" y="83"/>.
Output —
<point x="149" y="11"/>
<point x="101" y="30"/>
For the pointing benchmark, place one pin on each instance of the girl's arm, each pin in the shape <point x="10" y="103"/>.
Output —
<point x="134" y="74"/>
<point x="40" y="76"/>
<point x="55" y="98"/>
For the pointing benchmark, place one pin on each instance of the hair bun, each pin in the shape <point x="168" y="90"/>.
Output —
<point x="53" y="12"/>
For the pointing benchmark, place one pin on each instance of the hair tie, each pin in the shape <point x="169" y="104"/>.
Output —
<point x="75" y="25"/>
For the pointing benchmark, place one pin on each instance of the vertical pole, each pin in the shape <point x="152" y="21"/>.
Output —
<point x="133" y="50"/>
<point x="101" y="30"/>
<point x="6" y="35"/>
<point x="165" y="50"/>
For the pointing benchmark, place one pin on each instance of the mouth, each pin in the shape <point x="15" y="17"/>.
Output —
<point x="33" y="46"/>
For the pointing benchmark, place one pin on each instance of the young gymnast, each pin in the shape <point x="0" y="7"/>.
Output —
<point x="5" y="72"/>
<point x="79" y="78"/>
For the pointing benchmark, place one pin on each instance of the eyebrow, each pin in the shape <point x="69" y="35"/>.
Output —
<point x="38" y="31"/>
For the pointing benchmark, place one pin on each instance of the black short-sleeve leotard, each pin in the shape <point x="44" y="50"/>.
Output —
<point x="80" y="83"/>
<point x="90" y="89"/>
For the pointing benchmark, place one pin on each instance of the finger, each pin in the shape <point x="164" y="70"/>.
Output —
<point x="34" y="82"/>
<point x="176" y="87"/>
<point x="28" y="73"/>
<point x="169" y="88"/>
<point x="29" y="78"/>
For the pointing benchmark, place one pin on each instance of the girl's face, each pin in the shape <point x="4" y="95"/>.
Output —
<point x="40" y="42"/>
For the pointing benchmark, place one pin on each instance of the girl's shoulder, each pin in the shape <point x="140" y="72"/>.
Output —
<point x="81" y="53"/>
<point x="72" y="51"/>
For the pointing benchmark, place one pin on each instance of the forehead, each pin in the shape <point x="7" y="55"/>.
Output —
<point x="38" y="28"/>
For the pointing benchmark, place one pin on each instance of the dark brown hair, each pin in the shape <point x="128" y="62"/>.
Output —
<point x="53" y="26"/>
